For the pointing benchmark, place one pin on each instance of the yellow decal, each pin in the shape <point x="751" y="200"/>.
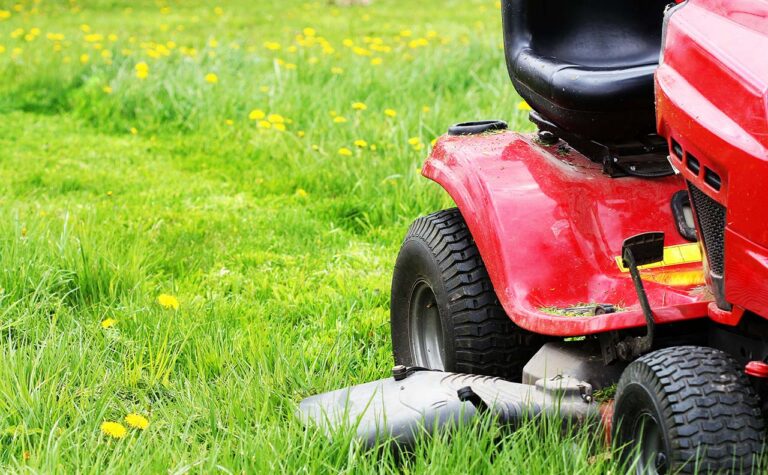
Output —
<point x="685" y="278"/>
<point x="673" y="256"/>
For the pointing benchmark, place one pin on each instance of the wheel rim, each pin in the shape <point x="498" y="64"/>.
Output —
<point x="652" y="458"/>
<point x="426" y="329"/>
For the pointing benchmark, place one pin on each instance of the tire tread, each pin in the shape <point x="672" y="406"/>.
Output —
<point x="487" y="341"/>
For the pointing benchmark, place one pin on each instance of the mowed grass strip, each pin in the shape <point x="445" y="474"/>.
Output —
<point x="259" y="162"/>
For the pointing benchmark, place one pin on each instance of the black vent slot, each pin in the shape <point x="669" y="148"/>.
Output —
<point x="677" y="150"/>
<point x="692" y="163"/>
<point x="711" y="217"/>
<point x="712" y="179"/>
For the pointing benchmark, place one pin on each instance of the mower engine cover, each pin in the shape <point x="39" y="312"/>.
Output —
<point x="712" y="106"/>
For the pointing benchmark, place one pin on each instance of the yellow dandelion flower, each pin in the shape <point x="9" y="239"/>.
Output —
<point x="300" y="134"/>
<point x="339" y="119"/>
<point x="523" y="106"/>
<point x="406" y="33"/>
<point x="113" y="429"/>
<point x="256" y="114"/>
<point x="263" y="124"/>
<point x="108" y="323"/>
<point x="218" y="11"/>
<point x="309" y="31"/>
<point x="142" y="70"/>
<point x="5" y="14"/>
<point x="2" y="49"/>
<point x="425" y="109"/>
<point x="301" y="193"/>
<point x="168" y="301"/>
<point x="290" y="66"/>
<point x="276" y="118"/>
<point x="359" y="106"/>
<point x="360" y="51"/>
<point x="390" y="112"/>
<point x="112" y="37"/>
<point x="377" y="61"/>
<point x="211" y="78"/>
<point x="213" y="43"/>
<point x="345" y="152"/>
<point x="347" y="42"/>
<point x="84" y="58"/>
<point x="360" y="143"/>
<point x="279" y="126"/>
<point x="229" y="122"/>
<point x="137" y="421"/>
<point x="336" y="70"/>
<point x="414" y="140"/>
<point x="373" y="147"/>
<point x="134" y="131"/>
<point x="272" y="45"/>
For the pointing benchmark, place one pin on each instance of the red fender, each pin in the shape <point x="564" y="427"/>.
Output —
<point x="550" y="225"/>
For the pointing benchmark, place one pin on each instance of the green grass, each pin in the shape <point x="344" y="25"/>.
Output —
<point x="279" y="248"/>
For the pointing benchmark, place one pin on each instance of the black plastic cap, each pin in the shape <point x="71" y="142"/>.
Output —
<point x="477" y="127"/>
<point x="399" y="372"/>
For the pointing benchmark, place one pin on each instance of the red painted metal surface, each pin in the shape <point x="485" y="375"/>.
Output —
<point x="712" y="98"/>
<point x="758" y="369"/>
<point x="549" y="225"/>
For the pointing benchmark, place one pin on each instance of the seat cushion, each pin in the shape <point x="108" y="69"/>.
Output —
<point x="600" y="102"/>
<point x="586" y="66"/>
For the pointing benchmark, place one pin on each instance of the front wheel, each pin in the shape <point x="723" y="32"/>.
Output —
<point x="687" y="409"/>
<point x="444" y="311"/>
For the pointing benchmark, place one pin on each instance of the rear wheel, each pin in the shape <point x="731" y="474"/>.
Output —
<point x="444" y="311"/>
<point x="687" y="409"/>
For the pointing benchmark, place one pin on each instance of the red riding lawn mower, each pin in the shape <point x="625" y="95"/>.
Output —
<point x="625" y="244"/>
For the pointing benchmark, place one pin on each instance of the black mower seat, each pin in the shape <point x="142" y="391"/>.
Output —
<point x="586" y="66"/>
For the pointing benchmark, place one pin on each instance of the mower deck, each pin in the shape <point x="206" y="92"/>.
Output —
<point x="550" y="226"/>
<point x="421" y="401"/>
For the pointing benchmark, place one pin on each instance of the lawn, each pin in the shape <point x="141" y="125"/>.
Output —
<point x="201" y="207"/>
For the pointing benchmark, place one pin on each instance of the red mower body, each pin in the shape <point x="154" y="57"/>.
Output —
<point x="712" y="105"/>
<point x="550" y="224"/>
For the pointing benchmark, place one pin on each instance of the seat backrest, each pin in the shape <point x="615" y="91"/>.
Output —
<point x="592" y="33"/>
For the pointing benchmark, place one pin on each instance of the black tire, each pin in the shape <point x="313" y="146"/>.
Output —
<point x="439" y="259"/>
<point x="696" y="405"/>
